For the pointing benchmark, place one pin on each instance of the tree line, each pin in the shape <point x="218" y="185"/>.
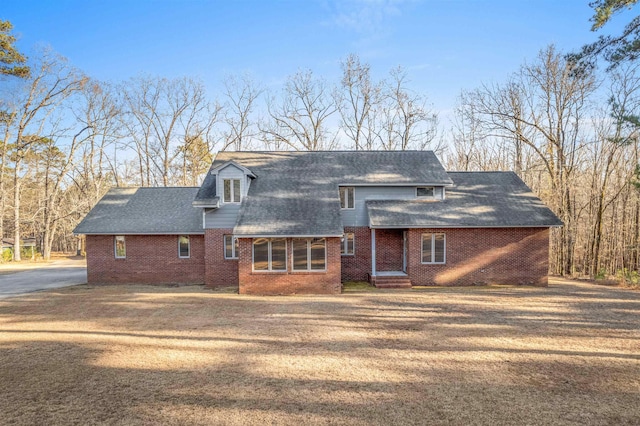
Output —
<point x="569" y="130"/>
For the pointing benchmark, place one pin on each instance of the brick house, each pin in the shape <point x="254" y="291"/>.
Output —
<point x="303" y="222"/>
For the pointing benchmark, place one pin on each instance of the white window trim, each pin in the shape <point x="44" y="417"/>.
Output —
<point x="426" y="196"/>
<point x="188" y="247"/>
<point x="433" y="246"/>
<point x="115" y="247"/>
<point x="233" y="247"/>
<point x="269" y="267"/>
<point x="232" y="188"/>
<point x="308" y="240"/>
<point x="344" y="245"/>
<point x="346" y="198"/>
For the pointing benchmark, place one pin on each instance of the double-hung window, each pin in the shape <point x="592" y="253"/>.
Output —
<point x="269" y="254"/>
<point x="230" y="247"/>
<point x="433" y="248"/>
<point x="184" y="248"/>
<point x="309" y="254"/>
<point x="231" y="190"/>
<point x="346" y="244"/>
<point x="119" y="247"/>
<point x="347" y="197"/>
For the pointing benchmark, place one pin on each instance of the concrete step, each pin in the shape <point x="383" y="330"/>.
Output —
<point x="392" y="281"/>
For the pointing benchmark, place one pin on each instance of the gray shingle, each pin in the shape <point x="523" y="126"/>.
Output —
<point x="296" y="193"/>
<point x="477" y="199"/>
<point x="144" y="211"/>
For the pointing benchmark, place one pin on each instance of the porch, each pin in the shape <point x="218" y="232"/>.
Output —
<point x="389" y="258"/>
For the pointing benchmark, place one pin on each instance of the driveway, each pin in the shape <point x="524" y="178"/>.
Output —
<point x="35" y="277"/>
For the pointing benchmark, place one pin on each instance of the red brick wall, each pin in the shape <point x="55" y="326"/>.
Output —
<point x="219" y="272"/>
<point x="289" y="282"/>
<point x="151" y="259"/>
<point x="483" y="256"/>
<point x="358" y="267"/>
<point x="389" y="249"/>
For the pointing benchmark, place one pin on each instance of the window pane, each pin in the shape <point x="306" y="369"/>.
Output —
<point x="439" y="248"/>
<point x="227" y="190"/>
<point x="278" y="254"/>
<point x="300" y="255"/>
<point x="350" y="244"/>
<point x="343" y="198"/>
<point x="350" y="198"/>
<point x="426" y="248"/>
<point x="236" y="247"/>
<point x="228" y="246"/>
<point x="260" y="254"/>
<point x="343" y="243"/>
<point x="236" y="190"/>
<point x="184" y="246"/>
<point x="425" y="192"/>
<point x="318" y="248"/>
<point x="121" y="250"/>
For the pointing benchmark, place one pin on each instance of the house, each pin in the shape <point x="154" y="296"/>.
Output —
<point x="303" y="222"/>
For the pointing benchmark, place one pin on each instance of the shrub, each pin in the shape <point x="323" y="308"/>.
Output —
<point x="628" y="277"/>
<point x="601" y="274"/>
<point x="7" y="254"/>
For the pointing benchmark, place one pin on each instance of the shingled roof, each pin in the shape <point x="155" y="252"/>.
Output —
<point x="144" y="211"/>
<point x="296" y="193"/>
<point x="477" y="199"/>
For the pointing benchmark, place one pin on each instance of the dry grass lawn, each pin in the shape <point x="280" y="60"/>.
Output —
<point x="568" y="354"/>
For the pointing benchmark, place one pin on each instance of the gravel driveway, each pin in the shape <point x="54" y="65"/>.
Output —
<point x="36" y="277"/>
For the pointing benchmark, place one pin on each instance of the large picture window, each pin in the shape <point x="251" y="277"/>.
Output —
<point x="433" y="248"/>
<point x="184" y="248"/>
<point x="309" y="254"/>
<point x="231" y="191"/>
<point x="347" y="244"/>
<point x="230" y="247"/>
<point x="269" y="254"/>
<point x="347" y="197"/>
<point x="119" y="247"/>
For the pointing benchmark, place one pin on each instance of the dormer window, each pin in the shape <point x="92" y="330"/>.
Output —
<point x="425" y="192"/>
<point x="347" y="198"/>
<point x="231" y="193"/>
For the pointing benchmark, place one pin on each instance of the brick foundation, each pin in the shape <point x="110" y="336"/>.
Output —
<point x="483" y="256"/>
<point x="151" y="259"/>
<point x="219" y="272"/>
<point x="289" y="282"/>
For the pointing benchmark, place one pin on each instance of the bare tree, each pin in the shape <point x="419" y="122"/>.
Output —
<point x="404" y="120"/>
<point x="300" y="120"/>
<point x="241" y="95"/>
<point x="51" y="82"/>
<point x="357" y="97"/>
<point x="162" y="115"/>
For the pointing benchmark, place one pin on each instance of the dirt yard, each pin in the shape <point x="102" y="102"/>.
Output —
<point x="568" y="354"/>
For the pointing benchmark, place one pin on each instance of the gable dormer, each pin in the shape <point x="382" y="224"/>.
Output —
<point x="227" y="183"/>
<point x="233" y="181"/>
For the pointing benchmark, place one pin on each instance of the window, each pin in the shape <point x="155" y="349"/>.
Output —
<point x="346" y="245"/>
<point x="424" y="191"/>
<point x="347" y="198"/>
<point x="231" y="193"/>
<point x="119" y="247"/>
<point x="183" y="246"/>
<point x="309" y="254"/>
<point x="269" y="254"/>
<point x="230" y="247"/>
<point x="433" y="248"/>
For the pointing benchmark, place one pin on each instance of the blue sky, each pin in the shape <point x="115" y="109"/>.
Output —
<point x="446" y="45"/>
